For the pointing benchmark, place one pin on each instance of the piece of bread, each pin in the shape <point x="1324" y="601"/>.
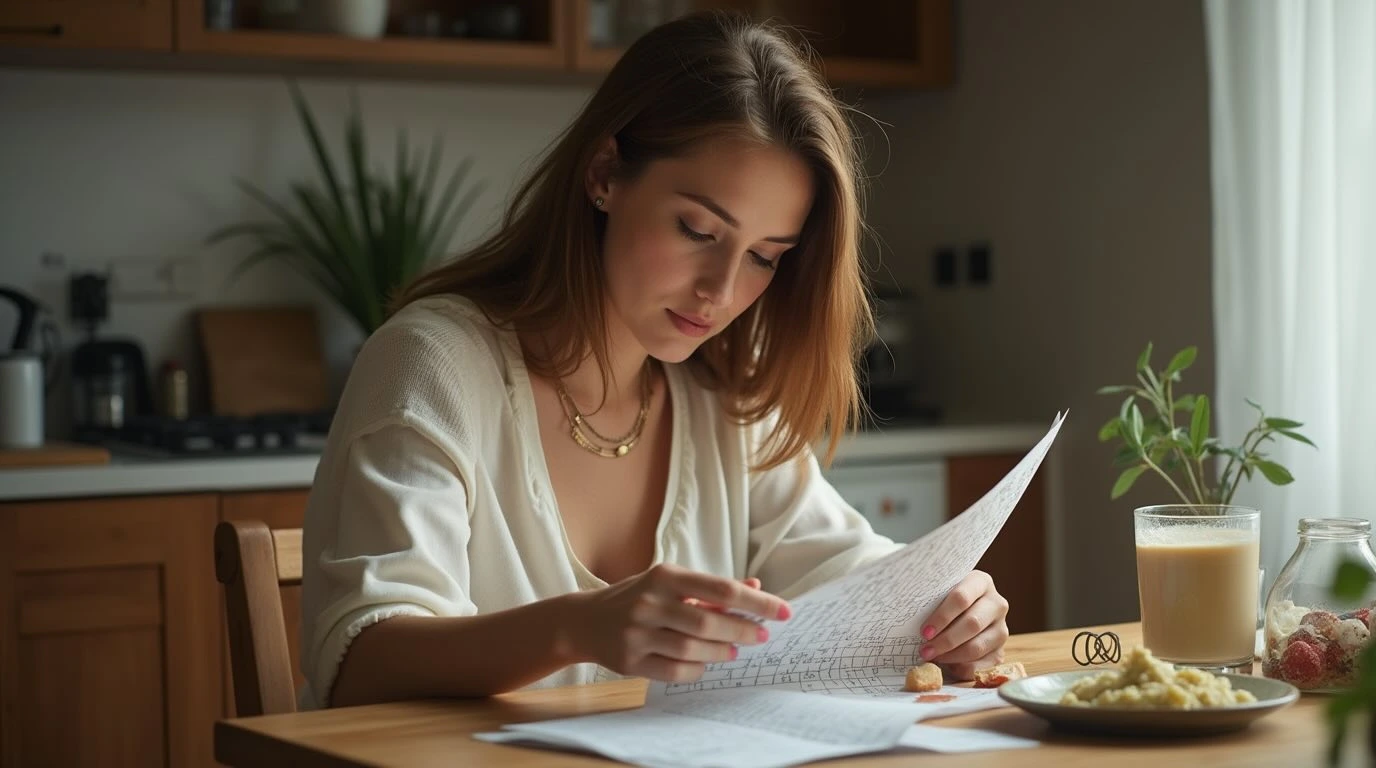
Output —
<point x="923" y="678"/>
<point x="993" y="677"/>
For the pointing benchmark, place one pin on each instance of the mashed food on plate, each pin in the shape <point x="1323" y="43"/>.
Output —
<point x="1145" y="682"/>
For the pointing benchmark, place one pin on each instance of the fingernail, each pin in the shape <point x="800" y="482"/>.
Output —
<point x="735" y="652"/>
<point x="927" y="652"/>
<point x="761" y="634"/>
<point x="928" y="632"/>
<point x="784" y="612"/>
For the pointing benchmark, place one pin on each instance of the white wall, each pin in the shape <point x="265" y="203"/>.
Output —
<point x="1076" y="142"/>
<point x="132" y="166"/>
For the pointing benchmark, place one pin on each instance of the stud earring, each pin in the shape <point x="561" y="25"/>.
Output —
<point x="598" y="201"/>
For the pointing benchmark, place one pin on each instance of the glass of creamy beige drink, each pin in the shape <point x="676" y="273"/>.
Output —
<point x="1197" y="574"/>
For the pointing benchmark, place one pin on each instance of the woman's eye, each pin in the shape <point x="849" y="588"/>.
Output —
<point x="693" y="234"/>
<point x="762" y="261"/>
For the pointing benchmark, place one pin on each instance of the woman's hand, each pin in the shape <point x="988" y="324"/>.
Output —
<point x="967" y="631"/>
<point x="668" y="623"/>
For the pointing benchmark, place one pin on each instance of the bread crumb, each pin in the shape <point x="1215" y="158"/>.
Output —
<point x="923" y="678"/>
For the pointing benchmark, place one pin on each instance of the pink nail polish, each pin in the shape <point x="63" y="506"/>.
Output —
<point x="761" y="634"/>
<point x="926" y="652"/>
<point x="784" y="612"/>
<point x="928" y="632"/>
<point x="735" y="652"/>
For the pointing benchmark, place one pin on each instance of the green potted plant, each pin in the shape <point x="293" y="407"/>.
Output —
<point x="1180" y="453"/>
<point x="358" y="234"/>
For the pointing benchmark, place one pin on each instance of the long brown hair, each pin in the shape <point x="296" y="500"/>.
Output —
<point x="704" y="75"/>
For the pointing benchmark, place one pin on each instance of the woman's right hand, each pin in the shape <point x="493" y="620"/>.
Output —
<point x="669" y="622"/>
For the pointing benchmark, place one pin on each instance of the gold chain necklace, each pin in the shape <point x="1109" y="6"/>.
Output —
<point x="580" y="429"/>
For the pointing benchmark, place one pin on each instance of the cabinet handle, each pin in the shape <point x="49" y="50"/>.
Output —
<point x="52" y="30"/>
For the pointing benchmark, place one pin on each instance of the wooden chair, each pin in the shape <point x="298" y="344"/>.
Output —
<point x="253" y="562"/>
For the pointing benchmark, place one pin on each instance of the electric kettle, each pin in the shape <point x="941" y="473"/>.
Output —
<point x="34" y="332"/>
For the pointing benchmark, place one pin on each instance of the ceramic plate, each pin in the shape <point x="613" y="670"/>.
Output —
<point x="1039" y="695"/>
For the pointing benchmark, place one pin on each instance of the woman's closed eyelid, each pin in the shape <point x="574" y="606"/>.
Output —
<point x="693" y="234"/>
<point x="703" y="237"/>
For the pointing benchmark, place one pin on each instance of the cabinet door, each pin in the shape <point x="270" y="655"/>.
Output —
<point x="277" y="509"/>
<point x="126" y="24"/>
<point x="889" y="43"/>
<point x="108" y="652"/>
<point x="1017" y="558"/>
<point x="417" y="33"/>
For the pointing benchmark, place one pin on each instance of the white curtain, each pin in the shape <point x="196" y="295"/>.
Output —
<point x="1294" y="192"/>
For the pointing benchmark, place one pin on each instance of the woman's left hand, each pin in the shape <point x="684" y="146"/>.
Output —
<point x="967" y="631"/>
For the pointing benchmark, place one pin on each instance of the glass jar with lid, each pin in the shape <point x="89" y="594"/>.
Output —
<point x="1313" y="638"/>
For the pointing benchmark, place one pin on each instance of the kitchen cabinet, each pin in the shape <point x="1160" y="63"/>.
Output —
<point x="885" y="43"/>
<point x="1017" y="558"/>
<point x="904" y="43"/>
<point x="112" y="633"/>
<point x="109" y="629"/>
<point x="89" y="24"/>
<point x="537" y="40"/>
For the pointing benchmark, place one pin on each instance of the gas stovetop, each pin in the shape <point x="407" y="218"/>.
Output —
<point x="210" y="436"/>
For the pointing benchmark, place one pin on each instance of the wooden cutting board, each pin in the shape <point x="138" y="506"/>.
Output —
<point x="53" y="454"/>
<point x="263" y="360"/>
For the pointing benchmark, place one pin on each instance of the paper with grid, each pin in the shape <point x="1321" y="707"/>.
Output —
<point x="859" y="634"/>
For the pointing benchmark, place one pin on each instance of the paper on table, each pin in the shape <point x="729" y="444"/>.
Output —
<point x="854" y="637"/>
<point x="757" y="728"/>
<point x="937" y="739"/>
<point x="859" y="634"/>
<point x="649" y="738"/>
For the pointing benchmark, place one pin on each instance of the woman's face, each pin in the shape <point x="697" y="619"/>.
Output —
<point x="693" y="241"/>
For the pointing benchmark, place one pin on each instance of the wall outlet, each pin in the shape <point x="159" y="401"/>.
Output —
<point x="944" y="266"/>
<point x="978" y="269"/>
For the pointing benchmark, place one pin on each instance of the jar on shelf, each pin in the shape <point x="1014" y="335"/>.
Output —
<point x="1313" y="638"/>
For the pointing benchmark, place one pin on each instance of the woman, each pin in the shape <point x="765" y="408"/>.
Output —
<point x="583" y="449"/>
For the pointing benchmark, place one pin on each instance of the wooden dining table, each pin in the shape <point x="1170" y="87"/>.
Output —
<point x="440" y="732"/>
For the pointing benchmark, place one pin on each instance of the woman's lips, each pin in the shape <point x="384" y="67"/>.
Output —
<point x="688" y="327"/>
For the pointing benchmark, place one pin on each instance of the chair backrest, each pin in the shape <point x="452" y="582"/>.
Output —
<point x="252" y="562"/>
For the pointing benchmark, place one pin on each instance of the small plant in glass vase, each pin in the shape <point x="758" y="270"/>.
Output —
<point x="1182" y="453"/>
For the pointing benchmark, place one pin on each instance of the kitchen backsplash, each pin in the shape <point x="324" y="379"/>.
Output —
<point x="136" y="169"/>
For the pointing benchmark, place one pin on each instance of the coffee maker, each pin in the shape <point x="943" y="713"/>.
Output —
<point x="110" y="385"/>
<point x="892" y="375"/>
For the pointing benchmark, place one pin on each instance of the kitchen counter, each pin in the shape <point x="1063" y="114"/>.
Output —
<point x="937" y="441"/>
<point x="126" y="475"/>
<point x="136" y="476"/>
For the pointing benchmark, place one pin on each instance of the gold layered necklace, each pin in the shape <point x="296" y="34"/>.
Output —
<point x="590" y="439"/>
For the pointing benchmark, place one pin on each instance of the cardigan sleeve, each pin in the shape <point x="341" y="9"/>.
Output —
<point x="388" y="537"/>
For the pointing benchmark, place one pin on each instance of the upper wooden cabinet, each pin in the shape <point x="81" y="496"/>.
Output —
<point x="878" y="42"/>
<point x="510" y="35"/>
<point x="888" y="43"/>
<point x="91" y="24"/>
